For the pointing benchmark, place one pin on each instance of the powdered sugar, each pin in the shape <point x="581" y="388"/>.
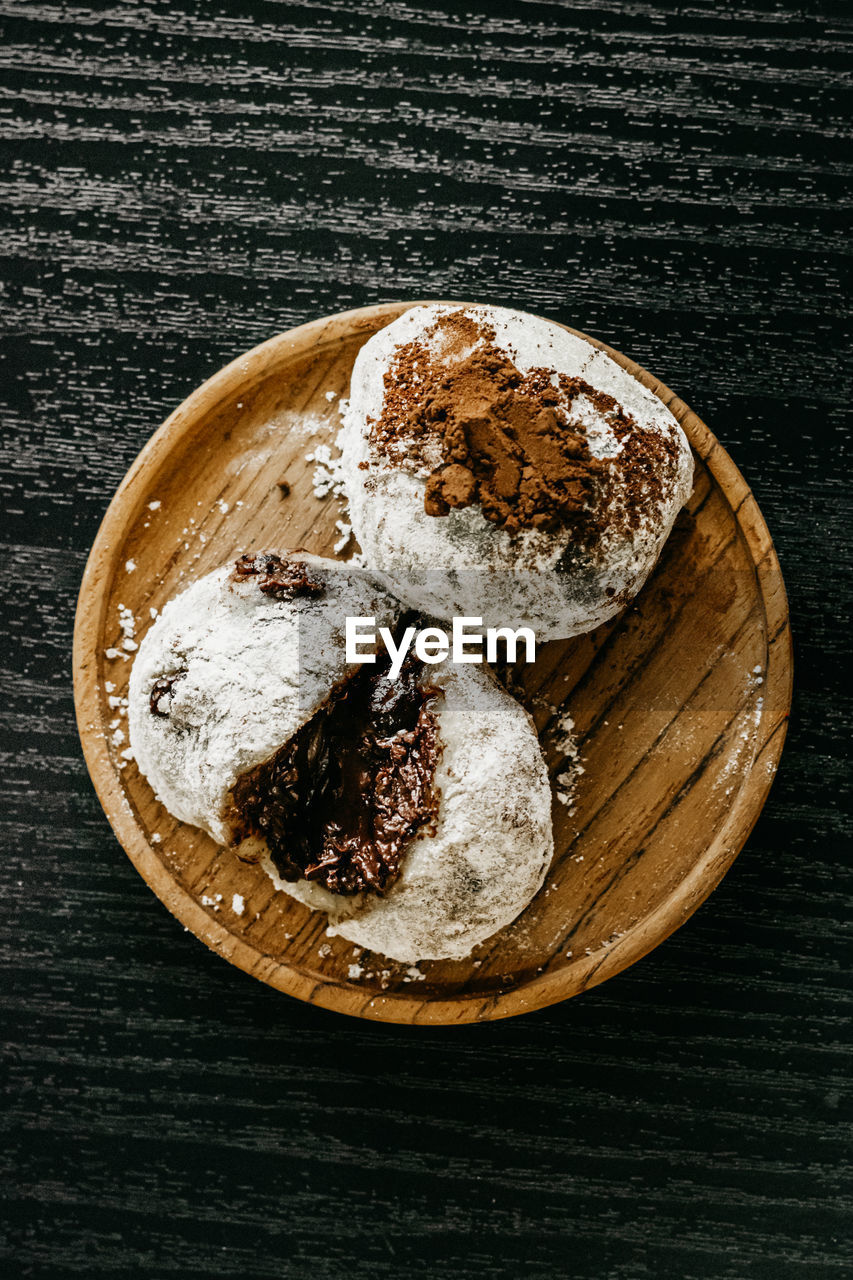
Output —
<point x="345" y="530"/>
<point x="127" y="627"/>
<point x="328" y="477"/>
<point x="565" y="743"/>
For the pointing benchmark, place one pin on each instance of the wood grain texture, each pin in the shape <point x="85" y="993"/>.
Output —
<point x="680" y="705"/>
<point x="182" y="181"/>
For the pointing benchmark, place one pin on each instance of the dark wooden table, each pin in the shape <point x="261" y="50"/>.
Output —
<point x="183" y="180"/>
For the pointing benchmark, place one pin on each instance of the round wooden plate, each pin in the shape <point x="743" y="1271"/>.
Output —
<point x="679" y="705"/>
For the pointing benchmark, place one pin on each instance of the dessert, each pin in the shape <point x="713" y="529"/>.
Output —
<point x="484" y="854"/>
<point x="414" y="811"/>
<point x="233" y="667"/>
<point x="500" y="467"/>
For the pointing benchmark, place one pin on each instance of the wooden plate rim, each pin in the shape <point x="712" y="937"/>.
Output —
<point x="547" y="988"/>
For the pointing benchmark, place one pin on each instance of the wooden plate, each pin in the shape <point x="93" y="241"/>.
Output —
<point x="680" y="704"/>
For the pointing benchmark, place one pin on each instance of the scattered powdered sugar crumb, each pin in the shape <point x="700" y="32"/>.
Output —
<point x="571" y="767"/>
<point x="345" y="530"/>
<point x="130" y="566"/>
<point x="156" y="839"/>
<point x="210" y="902"/>
<point x="116" y="703"/>
<point x="744" y="742"/>
<point x="328" y="477"/>
<point x="383" y="976"/>
<point x="614" y="938"/>
<point x="155" y="505"/>
<point x="311" y="426"/>
<point x="293" y="422"/>
<point x="223" y="506"/>
<point x="238" y="904"/>
<point x="127" y="626"/>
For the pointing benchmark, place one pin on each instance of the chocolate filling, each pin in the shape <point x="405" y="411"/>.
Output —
<point x="340" y="802"/>
<point x="279" y="577"/>
<point x="160" y="697"/>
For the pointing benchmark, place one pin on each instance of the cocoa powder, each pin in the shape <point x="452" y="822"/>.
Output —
<point x="509" y="442"/>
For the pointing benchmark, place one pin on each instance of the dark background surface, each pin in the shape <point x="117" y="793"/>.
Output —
<point x="183" y="180"/>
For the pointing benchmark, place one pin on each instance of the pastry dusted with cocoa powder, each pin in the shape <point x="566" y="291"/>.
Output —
<point x="498" y="466"/>
<point x="415" y="811"/>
